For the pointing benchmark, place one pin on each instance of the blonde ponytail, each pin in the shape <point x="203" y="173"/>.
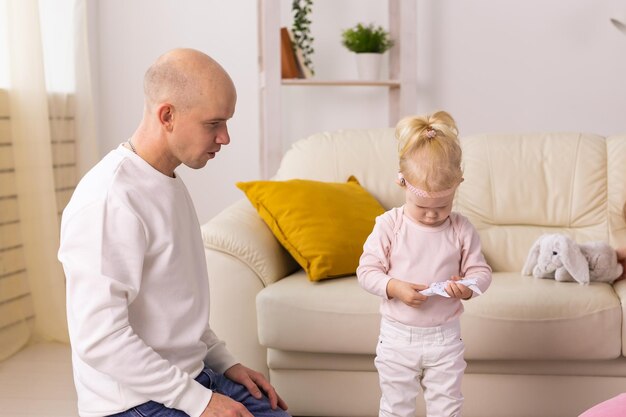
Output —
<point x="429" y="150"/>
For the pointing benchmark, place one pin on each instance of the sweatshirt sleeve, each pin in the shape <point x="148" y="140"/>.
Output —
<point x="218" y="358"/>
<point x="374" y="262"/>
<point x="473" y="264"/>
<point x="102" y="251"/>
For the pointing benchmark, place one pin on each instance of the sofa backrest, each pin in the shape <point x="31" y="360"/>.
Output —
<point x="516" y="186"/>
<point x="616" y="184"/>
<point x="519" y="186"/>
<point x="371" y="155"/>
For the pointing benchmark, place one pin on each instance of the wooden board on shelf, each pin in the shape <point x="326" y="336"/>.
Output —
<point x="343" y="83"/>
<point x="288" y="64"/>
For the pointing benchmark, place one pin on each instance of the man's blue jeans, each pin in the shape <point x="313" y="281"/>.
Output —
<point x="216" y="383"/>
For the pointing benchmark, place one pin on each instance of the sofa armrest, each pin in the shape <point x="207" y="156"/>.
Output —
<point x="240" y="232"/>
<point x="620" y="289"/>
<point x="242" y="258"/>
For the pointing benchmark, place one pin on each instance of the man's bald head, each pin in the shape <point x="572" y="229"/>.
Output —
<point x="182" y="76"/>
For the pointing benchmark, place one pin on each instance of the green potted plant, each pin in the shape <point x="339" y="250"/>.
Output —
<point x="369" y="43"/>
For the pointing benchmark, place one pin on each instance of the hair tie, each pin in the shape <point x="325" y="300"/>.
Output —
<point x="430" y="133"/>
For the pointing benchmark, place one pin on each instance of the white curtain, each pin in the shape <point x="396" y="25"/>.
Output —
<point x="46" y="151"/>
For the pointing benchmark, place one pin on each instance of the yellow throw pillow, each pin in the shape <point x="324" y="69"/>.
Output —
<point x="323" y="225"/>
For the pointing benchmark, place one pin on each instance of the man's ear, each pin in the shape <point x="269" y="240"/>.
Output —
<point x="165" y="113"/>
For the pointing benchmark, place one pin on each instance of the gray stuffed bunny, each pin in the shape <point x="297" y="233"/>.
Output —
<point x="559" y="257"/>
<point x="602" y="259"/>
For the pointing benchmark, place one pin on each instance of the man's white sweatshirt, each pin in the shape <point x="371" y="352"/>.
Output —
<point x="137" y="290"/>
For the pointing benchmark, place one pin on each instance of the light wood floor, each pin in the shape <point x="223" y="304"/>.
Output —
<point x="37" y="382"/>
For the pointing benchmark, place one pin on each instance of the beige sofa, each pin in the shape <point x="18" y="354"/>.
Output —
<point x="534" y="347"/>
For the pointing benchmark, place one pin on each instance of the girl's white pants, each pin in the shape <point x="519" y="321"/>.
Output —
<point x="409" y="357"/>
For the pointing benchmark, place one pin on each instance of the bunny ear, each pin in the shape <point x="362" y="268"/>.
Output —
<point x="533" y="255"/>
<point x="573" y="260"/>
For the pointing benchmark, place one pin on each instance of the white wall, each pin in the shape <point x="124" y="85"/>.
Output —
<point x="497" y="66"/>
<point x="132" y="34"/>
<point x="524" y="66"/>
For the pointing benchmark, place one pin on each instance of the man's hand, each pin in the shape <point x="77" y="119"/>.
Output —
<point x="406" y="292"/>
<point x="455" y="290"/>
<point x="255" y="382"/>
<point x="221" y="405"/>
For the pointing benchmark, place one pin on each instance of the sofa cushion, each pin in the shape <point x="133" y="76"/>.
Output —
<point x="522" y="317"/>
<point x="519" y="317"/>
<point x="333" y="316"/>
<point x="323" y="225"/>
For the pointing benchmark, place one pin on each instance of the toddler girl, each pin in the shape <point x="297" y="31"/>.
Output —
<point x="411" y="247"/>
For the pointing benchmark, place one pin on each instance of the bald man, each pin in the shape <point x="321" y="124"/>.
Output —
<point x="137" y="287"/>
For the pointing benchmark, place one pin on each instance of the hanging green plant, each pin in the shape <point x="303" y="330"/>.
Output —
<point x="301" y="30"/>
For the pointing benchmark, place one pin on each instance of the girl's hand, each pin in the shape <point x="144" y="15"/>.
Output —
<point x="406" y="292"/>
<point x="455" y="290"/>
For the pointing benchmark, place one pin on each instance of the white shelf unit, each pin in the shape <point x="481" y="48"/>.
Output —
<point x="402" y="82"/>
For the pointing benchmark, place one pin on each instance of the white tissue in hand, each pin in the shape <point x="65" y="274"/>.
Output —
<point x="439" y="288"/>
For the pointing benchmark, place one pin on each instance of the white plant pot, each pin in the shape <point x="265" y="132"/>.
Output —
<point x="368" y="66"/>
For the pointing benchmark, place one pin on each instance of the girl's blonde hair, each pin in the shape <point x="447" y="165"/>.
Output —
<point x="429" y="150"/>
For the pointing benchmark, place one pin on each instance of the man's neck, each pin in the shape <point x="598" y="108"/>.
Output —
<point x="152" y="149"/>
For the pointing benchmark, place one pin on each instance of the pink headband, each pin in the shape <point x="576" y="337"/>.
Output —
<point x="426" y="194"/>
